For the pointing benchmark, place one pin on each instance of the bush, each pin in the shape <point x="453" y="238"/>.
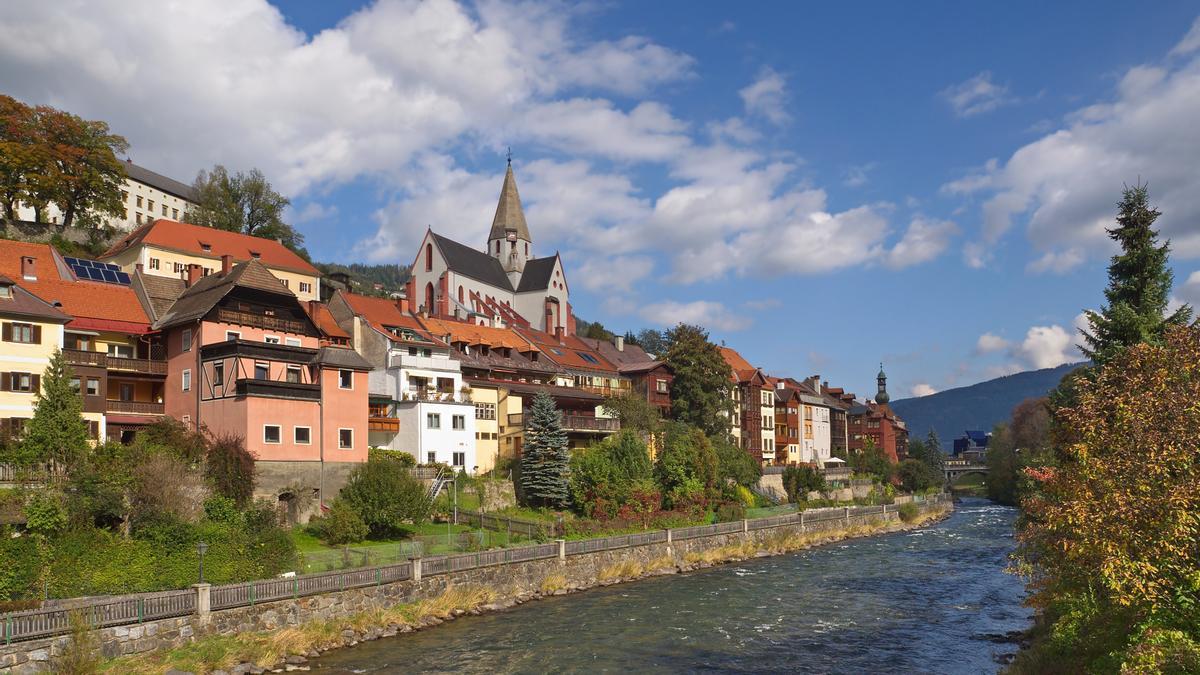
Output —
<point x="728" y="512"/>
<point x="916" y="475"/>
<point x="385" y="496"/>
<point x="220" y="509"/>
<point x="686" y="469"/>
<point x="403" y="458"/>
<point x="166" y="484"/>
<point x="734" y="463"/>
<point x="22" y="564"/>
<point x="229" y="468"/>
<point x="341" y="526"/>
<point x="174" y="437"/>
<point x="45" y="513"/>
<point x="798" y="481"/>
<point x="604" y="476"/>
<point x="909" y="512"/>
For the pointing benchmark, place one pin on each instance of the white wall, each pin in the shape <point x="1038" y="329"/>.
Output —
<point x="418" y="439"/>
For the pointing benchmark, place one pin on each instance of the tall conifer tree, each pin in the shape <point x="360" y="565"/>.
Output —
<point x="1139" y="284"/>
<point x="544" y="458"/>
<point x="57" y="431"/>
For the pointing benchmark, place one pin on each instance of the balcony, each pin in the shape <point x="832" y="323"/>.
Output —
<point x="443" y="364"/>
<point x="134" y="407"/>
<point x="78" y="357"/>
<point x="606" y="392"/>
<point x="576" y="423"/>
<point x="276" y="389"/>
<point x="379" y="418"/>
<point x="260" y="321"/>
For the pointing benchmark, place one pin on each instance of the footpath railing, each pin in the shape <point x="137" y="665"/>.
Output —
<point x="136" y="609"/>
<point x="527" y="528"/>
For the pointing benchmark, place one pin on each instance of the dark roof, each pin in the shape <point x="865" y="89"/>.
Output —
<point x="509" y="214"/>
<point x="630" y="359"/>
<point x="26" y="304"/>
<point x="197" y="301"/>
<point x="472" y="262"/>
<point x="339" y="357"/>
<point x="537" y="273"/>
<point x="159" y="181"/>
<point x="979" y="437"/>
<point x="157" y="293"/>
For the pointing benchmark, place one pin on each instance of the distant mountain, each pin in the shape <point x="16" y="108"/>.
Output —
<point x="364" y="277"/>
<point x="979" y="406"/>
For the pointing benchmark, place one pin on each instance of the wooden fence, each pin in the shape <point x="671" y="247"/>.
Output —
<point x="532" y="529"/>
<point x="135" y="609"/>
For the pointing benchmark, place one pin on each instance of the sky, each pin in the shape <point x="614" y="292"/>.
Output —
<point x="823" y="186"/>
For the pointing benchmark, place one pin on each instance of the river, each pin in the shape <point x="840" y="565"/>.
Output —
<point x="935" y="600"/>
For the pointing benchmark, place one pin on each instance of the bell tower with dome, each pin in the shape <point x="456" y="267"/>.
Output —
<point x="881" y="396"/>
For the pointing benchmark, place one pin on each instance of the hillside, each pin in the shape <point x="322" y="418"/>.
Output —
<point x="979" y="406"/>
<point x="364" y="277"/>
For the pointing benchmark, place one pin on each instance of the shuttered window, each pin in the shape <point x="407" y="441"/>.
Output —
<point x="26" y="333"/>
<point x="20" y="382"/>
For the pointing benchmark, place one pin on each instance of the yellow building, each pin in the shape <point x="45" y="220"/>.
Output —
<point x="30" y="330"/>
<point x="167" y="248"/>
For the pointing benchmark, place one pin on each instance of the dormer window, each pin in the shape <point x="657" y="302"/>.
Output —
<point x="255" y="254"/>
<point x="6" y="291"/>
<point x="207" y="248"/>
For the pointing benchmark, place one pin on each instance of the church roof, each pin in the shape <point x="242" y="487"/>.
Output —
<point x="509" y="215"/>
<point x="472" y="263"/>
<point x="537" y="273"/>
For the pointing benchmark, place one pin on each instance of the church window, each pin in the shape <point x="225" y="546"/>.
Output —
<point x="460" y="294"/>
<point x="497" y="246"/>
<point x="428" y="257"/>
<point x="526" y="248"/>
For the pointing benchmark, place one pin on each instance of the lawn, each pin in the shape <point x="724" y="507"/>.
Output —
<point x="425" y="539"/>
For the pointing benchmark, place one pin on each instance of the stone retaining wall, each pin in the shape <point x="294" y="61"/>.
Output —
<point x="510" y="582"/>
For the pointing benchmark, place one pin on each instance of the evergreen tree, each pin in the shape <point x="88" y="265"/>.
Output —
<point x="934" y="457"/>
<point x="1139" y="284"/>
<point x="700" y="392"/>
<point x="544" y="458"/>
<point x="631" y="339"/>
<point x="57" y="431"/>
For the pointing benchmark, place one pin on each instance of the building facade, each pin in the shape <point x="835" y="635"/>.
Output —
<point x="145" y="195"/>
<point x="876" y="422"/>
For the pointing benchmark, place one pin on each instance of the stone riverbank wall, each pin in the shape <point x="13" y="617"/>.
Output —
<point x="560" y="567"/>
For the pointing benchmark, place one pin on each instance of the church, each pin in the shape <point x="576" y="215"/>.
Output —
<point x="501" y="285"/>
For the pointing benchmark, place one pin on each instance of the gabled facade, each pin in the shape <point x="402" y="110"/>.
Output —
<point x="419" y="403"/>
<point x="501" y="285"/>
<point x="583" y="370"/>
<point x="755" y="399"/>
<point x="244" y="358"/>
<point x="30" y="330"/>
<point x="145" y="194"/>
<point x="649" y="378"/>
<point x="166" y="248"/>
<point x="804" y="417"/>
<point x="877" y="422"/>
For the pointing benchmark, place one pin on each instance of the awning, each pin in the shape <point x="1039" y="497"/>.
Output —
<point x="111" y="325"/>
<point x="835" y="460"/>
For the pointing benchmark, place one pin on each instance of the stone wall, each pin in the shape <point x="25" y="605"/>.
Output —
<point x="42" y="233"/>
<point x="510" y="582"/>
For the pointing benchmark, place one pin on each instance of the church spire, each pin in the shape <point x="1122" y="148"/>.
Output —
<point x="510" y="217"/>
<point x="881" y="380"/>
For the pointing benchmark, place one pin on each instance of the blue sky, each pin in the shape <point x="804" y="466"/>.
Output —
<point x="824" y="187"/>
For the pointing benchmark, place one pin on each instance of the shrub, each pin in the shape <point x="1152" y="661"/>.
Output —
<point x="229" y="467"/>
<point x="221" y="509"/>
<point x="909" y="512"/>
<point x="728" y="512"/>
<point x="686" y="469"/>
<point x="80" y="656"/>
<point x="22" y="564"/>
<point x="175" y="437"/>
<point x="734" y="463"/>
<point x="341" y="526"/>
<point x="604" y="476"/>
<point x="166" y="484"/>
<point x="798" y="481"/>
<point x="45" y="513"/>
<point x="403" y="458"/>
<point x="916" y="475"/>
<point x="385" y="496"/>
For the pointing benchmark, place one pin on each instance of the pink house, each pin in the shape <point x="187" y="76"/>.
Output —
<point x="245" y="358"/>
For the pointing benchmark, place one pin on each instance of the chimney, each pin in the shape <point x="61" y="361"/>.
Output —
<point x="226" y="263"/>
<point x="138" y="267"/>
<point x="402" y="304"/>
<point x="619" y="343"/>
<point x="28" y="269"/>
<point x="194" y="273"/>
<point x="558" y="334"/>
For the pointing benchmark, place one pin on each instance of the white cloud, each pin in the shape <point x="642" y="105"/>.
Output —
<point x="619" y="274"/>
<point x="976" y="95"/>
<point x="1190" y="42"/>
<point x="1046" y="347"/>
<point x="1064" y="184"/>
<point x="856" y="176"/>
<point x="989" y="343"/>
<point x="924" y="240"/>
<point x="922" y="389"/>
<point x="712" y="315"/>
<point x="310" y="212"/>
<point x="767" y="96"/>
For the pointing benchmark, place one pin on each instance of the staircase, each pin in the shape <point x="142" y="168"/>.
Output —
<point x="439" y="482"/>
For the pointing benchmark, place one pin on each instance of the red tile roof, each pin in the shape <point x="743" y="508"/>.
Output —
<point x="382" y="314"/>
<point x="88" y="301"/>
<point x="742" y="370"/>
<point x="323" y="319"/>
<point x="570" y="352"/>
<point x="192" y="239"/>
<point x="474" y="334"/>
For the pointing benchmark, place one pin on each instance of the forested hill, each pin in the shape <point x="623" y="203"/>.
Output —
<point x="391" y="276"/>
<point x="979" y="406"/>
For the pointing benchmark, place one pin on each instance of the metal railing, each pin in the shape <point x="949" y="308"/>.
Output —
<point x="533" y="529"/>
<point x="134" y="609"/>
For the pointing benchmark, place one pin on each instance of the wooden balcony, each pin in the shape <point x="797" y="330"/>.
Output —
<point x="576" y="423"/>
<point x="134" y="407"/>
<point x="260" y="321"/>
<point x="78" y="357"/>
<point x="386" y="424"/>
<point x="278" y="389"/>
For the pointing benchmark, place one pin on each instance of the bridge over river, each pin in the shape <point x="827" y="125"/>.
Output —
<point x="956" y="468"/>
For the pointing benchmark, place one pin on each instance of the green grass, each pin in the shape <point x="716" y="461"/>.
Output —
<point x="427" y="538"/>
<point x="768" y="511"/>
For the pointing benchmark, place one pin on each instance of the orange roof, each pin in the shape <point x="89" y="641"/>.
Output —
<point x="742" y="370"/>
<point x="212" y="243"/>
<point x="570" y="353"/>
<point x="323" y="319"/>
<point x="382" y="314"/>
<point x="474" y="334"/>
<point x="81" y="299"/>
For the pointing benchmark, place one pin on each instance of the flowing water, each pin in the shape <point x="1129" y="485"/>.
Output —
<point x="934" y="600"/>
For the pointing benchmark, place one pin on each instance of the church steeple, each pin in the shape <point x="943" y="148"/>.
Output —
<point x="881" y="396"/>
<point x="509" y="240"/>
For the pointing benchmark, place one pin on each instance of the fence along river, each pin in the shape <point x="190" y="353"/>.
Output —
<point x="935" y="600"/>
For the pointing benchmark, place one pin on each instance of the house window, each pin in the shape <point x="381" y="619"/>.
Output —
<point x="187" y="380"/>
<point x="218" y="374"/>
<point x="187" y="339"/>
<point x="175" y="214"/>
<point x="124" y="195"/>
<point x="345" y="439"/>
<point x="302" y="435"/>
<point x="459" y="422"/>
<point x="305" y="287"/>
<point x="232" y="335"/>
<point x="292" y="342"/>
<point x="25" y="333"/>
<point x="126" y="391"/>
<point x="120" y="351"/>
<point x="485" y="411"/>
<point x="271" y="339"/>
<point x="345" y="379"/>
<point x="431" y="456"/>
<point x="255" y="254"/>
<point x="271" y="434"/>
<point x="22" y="382"/>
<point x="433" y="421"/>
<point x="93" y="386"/>
<point x="459" y="458"/>
<point x="139" y="201"/>
<point x="150" y="204"/>
<point x="293" y="374"/>
<point x="178" y="267"/>
<point x="285" y="283"/>
<point x="262" y="371"/>
<point x="164" y="209"/>
<point x="205" y="247"/>
<point x="154" y="263"/>
<point x="428" y="257"/>
<point x="76" y="385"/>
<point x="6" y="291"/>
<point x="661" y="386"/>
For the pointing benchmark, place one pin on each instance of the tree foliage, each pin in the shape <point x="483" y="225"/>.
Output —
<point x="916" y="475"/>
<point x="385" y="496"/>
<point x="799" y="480"/>
<point x="1111" y="534"/>
<point x="734" y="463"/>
<point x="1139" y="284"/>
<point x="634" y="412"/>
<point x="605" y="476"/>
<point x="653" y="341"/>
<point x="544" y="458"/>
<point x="700" y="392"/>
<point x="57" y="431"/>
<point x="230" y="468"/>
<point x="245" y="203"/>
<point x="341" y="526"/>
<point x="687" y="466"/>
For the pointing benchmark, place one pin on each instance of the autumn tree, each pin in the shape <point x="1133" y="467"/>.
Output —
<point x="1139" y="284"/>
<point x="1112" y="534"/>
<point x="24" y="162"/>
<point x="245" y="203"/>
<point x="700" y="392"/>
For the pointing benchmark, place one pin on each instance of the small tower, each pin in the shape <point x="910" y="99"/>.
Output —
<point x="509" y="241"/>
<point x="881" y="396"/>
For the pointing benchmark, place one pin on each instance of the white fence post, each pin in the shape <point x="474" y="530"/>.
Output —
<point x="562" y="550"/>
<point x="847" y="516"/>
<point x="203" y="602"/>
<point x="745" y="526"/>
<point x="416" y="567"/>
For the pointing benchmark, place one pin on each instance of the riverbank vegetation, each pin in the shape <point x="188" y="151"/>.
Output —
<point x="1110" y="537"/>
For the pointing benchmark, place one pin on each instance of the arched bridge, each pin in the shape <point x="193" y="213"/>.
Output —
<point x="954" y="468"/>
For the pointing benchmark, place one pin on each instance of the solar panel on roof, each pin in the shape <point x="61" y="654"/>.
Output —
<point x="109" y="276"/>
<point x="71" y="261"/>
<point x="95" y="274"/>
<point x="122" y="277"/>
<point x="110" y="266"/>
<point x="80" y="271"/>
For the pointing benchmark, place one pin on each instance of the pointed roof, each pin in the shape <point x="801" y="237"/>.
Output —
<point x="195" y="302"/>
<point x="509" y="215"/>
